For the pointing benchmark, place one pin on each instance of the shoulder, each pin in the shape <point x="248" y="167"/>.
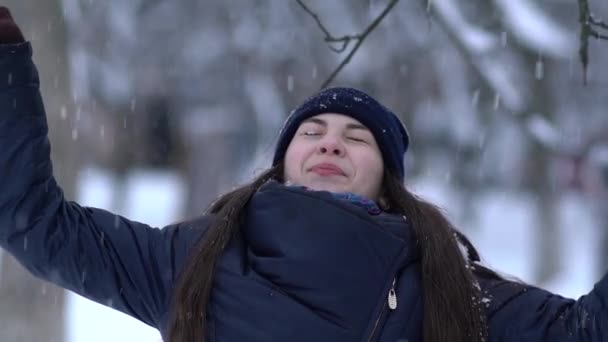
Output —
<point x="500" y="293"/>
<point x="184" y="234"/>
<point x="497" y="292"/>
<point x="174" y="243"/>
<point x="522" y="312"/>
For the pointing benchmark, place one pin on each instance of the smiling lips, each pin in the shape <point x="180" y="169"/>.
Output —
<point x="327" y="169"/>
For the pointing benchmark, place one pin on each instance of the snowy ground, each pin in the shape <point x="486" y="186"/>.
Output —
<point x="505" y="243"/>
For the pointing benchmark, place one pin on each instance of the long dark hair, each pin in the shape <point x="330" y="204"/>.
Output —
<point x="452" y="299"/>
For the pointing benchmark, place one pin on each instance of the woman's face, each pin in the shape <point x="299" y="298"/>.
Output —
<point x="336" y="153"/>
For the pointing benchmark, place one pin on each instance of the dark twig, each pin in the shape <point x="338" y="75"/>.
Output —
<point x="588" y="29"/>
<point x="329" y="38"/>
<point x="597" y="22"/>
<point x="598" y="35"/>
<point x="346" y="40"/>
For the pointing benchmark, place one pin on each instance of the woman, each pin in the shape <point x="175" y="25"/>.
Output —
<point x="326" y="245"/>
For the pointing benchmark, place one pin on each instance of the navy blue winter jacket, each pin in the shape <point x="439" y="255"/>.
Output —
<point x="307" y="266"/>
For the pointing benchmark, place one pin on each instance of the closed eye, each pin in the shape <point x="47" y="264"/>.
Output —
<point x="357" y="139"/>
<point x="311" y="133"/>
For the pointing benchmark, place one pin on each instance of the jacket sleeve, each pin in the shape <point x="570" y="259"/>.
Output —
<point x="104" y="257"/>
<point x="520" y="312"/>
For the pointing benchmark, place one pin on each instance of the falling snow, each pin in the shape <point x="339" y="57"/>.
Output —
<point x="497" y="114"/>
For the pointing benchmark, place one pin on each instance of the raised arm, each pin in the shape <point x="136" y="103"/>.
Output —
<point x="519" y="312"/>
<point x="104" y="257"/>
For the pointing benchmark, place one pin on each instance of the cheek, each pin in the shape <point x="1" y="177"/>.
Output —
<point x="372" y="165"/>
<point x="294" y="158"/>
<point x="378" y="168"/>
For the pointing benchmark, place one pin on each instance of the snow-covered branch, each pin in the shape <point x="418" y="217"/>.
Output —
<point x="483" y="48"/>
<point x="480" y="48"/>
<point x="535" y="28"/>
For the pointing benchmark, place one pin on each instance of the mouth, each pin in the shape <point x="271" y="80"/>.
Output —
<point x="327" y="169"/>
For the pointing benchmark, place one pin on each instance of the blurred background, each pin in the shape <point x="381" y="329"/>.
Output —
<point x="155" y="107"/>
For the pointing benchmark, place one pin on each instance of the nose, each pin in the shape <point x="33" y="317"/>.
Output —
<point x="331" y="145"/>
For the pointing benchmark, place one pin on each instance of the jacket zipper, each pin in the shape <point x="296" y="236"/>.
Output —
<point x="391" y="303"/>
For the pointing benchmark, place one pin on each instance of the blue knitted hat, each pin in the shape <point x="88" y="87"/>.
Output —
<point x="389" y="132"/>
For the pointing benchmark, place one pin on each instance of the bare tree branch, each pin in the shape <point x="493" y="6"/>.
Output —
<point x="589" y="24"/>
<point x="346" y="40"/>
<point x="597" y="22"/>
<point x="329" y="38"/>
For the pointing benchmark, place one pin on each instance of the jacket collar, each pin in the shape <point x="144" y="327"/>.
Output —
<point x="393" y="225"/>
<point x="396" y="225"/>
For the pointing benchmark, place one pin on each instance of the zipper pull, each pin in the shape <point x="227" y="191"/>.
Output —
<point x="392" y="296"/>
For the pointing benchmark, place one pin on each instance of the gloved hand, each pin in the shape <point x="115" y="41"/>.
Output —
<point x="9" y="31"/>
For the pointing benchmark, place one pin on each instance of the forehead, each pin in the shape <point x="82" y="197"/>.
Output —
<point x="334" y="119"/>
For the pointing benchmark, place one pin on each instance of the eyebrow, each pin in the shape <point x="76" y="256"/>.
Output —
<point x="323" y="123"/>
